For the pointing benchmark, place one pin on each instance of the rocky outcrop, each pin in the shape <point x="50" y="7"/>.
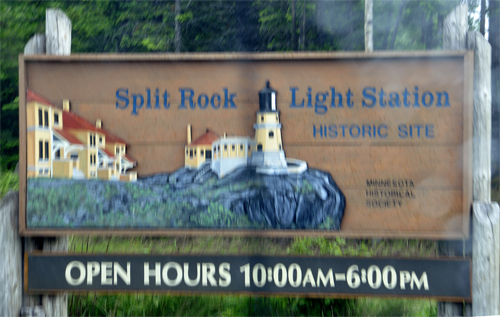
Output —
<point x="189" y="199"/>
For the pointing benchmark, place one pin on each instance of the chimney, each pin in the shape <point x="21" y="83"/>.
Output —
<point x="65" y="104"/>
<point x="189" y="133"/>
<point x="98" y="123"/>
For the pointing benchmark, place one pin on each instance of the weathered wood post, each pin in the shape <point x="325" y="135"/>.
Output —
<point x="57" y="40"/>
<point x="368" y="25"/>
<point x="483" y="243"/>
<point x="11" y="286"/>
<point x="486" y="259"/>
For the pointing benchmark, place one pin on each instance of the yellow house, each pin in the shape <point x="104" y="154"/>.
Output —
<point x="64" y="145"/>
<point x="200" y="150"/>
<point x="42" y="118"/>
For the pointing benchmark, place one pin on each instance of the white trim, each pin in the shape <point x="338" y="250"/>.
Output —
<point x="38" y="128"/>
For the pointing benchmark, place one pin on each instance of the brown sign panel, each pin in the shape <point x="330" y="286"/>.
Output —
<point x="269" y="144"/>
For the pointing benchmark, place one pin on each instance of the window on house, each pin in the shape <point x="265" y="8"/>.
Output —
<point x="187" y="152"/>
<point x="261" y="118"/>
<point x="95" y="161"/>
<point x="225" y="147"/>
<point x="194" y="152"/>
<point x="241" y="147"/>
<point x="100" y="140"/>
<point x="191" y="153"/>
<point x="90" y="159"/>
<point x="46" y="150"/>
<point x="56" y="118"/>
<point x="117" y="151"/>
<point x="74" y="157"/>
<point x="271" y="134"/>
<point x="40" y="118"/>
<point x="202" y="152"/>
<point x="232" y="148"/>
<point x="58" y="154"/>
<point x="94" y="140"/>
<point x="90" y="141"/>
<point x="40" y="150"/>
<point x="46" y="117"/>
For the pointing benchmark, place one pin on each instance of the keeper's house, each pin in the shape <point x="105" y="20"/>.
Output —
<point x="63" y="145"/>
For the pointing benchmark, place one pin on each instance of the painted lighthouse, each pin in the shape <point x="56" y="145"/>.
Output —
<point x="264" y="152"/>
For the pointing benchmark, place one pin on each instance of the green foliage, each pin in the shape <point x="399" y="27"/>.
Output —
<point x="8" y="181"/>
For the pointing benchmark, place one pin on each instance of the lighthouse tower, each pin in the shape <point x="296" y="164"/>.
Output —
<point x="268" y="154"/>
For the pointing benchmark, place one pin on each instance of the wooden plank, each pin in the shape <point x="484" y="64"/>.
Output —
<point x="22" y="144"/>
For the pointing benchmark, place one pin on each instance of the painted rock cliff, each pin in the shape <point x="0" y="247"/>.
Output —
<point x="187" y="198"/>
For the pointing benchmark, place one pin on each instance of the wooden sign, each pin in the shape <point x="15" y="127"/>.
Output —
<point x="348" y="144"/>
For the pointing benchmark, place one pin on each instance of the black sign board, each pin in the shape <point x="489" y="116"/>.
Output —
<point x="326" y="276"/>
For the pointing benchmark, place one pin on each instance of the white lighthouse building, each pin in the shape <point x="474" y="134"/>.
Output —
<point x="264" y="151"/>
<point x="269" y="154"/>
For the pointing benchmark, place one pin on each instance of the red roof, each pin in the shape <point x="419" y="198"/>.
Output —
<point x="73" y="121"/>
<point x="130" y="158"/>
<point x="108" y="153"/>
<point x="206" y="139"/>
<point x="68" y="136"/>
<point x="33" y="96"/>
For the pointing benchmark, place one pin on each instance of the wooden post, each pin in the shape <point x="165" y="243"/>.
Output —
<point x="57" y="32"/>
<point x="486" y="259"/>
<point x="455" y="28"/>
<point x="481" y="153"/>
<point x="368" y="25"/>
<point x="485" y="218"/>
<point x="35" y="45"/>
<point x="57" y="42"/>
<point x="11" y="286"/>
<point x="455" y="37"/>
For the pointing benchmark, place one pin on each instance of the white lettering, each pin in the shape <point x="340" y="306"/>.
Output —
<point x="418" y="283"/>
<point x="404" y="277"/>
<point x="207" y="274"/>
<point x="155" y="273"/>
<point x="118" y="270"/>
<point x="187" y="280"/>
<point x="178" y="278"/>
<point x="294" y="267"/>
<point x="93" y="269"/>
<point x="106" y="272"/>
<point x="309" y="278"/>
<point x="326" y="279"/>
<point x="225" y="279"/>
<point x="75" y="281"/>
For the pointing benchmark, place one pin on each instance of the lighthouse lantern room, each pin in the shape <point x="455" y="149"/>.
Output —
<point x="268" y="151"/>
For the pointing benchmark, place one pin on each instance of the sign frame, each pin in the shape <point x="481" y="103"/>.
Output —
<point x="468" y="60"/>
